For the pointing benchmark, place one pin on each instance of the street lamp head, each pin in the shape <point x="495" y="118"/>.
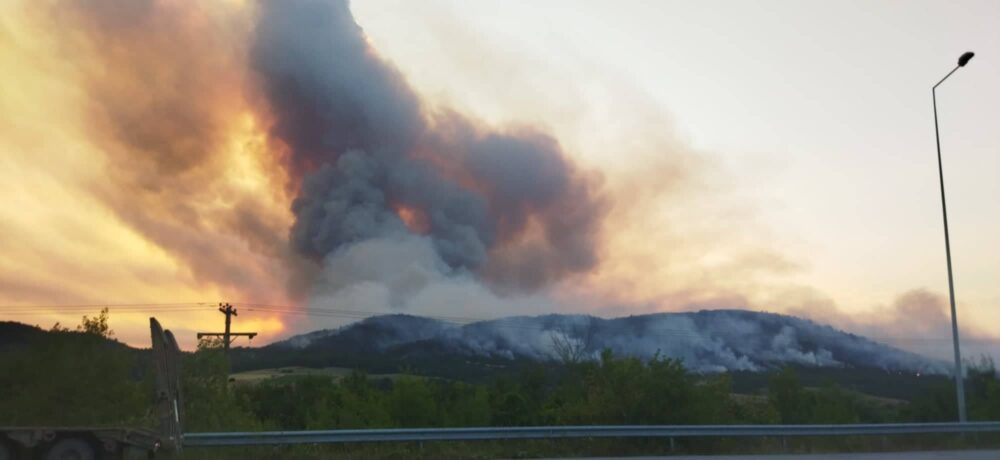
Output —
<point x="965" y="58"/>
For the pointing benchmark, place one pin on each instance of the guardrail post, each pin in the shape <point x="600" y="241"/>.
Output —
<point x="672" y="447"/>
<point x="784" y="443"/>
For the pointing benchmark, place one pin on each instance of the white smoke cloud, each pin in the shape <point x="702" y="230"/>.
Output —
<point x="917" y="320"/>
<point x="705" y="341"/>
<point x="403" y="272"/>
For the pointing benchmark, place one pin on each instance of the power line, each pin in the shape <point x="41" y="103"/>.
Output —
<point x="319" y="311"/>
<point x="506" y="323"/>
<point x="179" y="307"/>
<point x="503" y="323"/>
<point x="101" y="305"/>
<point x="116" y="311"/>
<point x="360" y="312"/>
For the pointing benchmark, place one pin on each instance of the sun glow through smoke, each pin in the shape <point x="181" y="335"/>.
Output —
<point x="162" y="150"/>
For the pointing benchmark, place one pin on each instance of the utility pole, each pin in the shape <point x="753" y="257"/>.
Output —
<point x="227" y="336"/>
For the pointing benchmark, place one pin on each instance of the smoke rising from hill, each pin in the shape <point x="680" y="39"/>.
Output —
<point x="705" y="341"/>
<point x="504" y="205"/>
<point x="266" y="152"/>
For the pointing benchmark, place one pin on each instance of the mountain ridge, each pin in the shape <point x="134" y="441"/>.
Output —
<point x="705" y="340"/>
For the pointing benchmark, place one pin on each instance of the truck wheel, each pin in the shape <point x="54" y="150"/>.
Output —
<point x="6" y="452"/>
<point x="71" y="449"/>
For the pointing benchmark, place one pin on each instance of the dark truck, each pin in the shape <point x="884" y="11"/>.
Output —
<point x="91" y="443"/>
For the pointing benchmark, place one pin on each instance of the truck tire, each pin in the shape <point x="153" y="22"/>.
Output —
<point x="71" y="449"/>
<point x="6" y="451"/>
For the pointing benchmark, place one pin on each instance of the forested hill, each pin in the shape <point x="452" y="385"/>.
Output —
<point x="413" y="345"/>
<point x="13" y="334"/>
<point x="83" y="377"/>
<point x="16" y="337"/>
<point x="705" y="341"/>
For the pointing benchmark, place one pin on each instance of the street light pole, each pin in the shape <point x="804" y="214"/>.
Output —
<point x="959" y="386"/>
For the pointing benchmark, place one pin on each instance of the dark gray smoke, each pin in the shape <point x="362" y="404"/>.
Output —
<point x="505" y="205"/>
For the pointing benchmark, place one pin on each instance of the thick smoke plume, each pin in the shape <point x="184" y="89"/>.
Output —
<point x="222" y="148"/>
<point x="165" y="86"/>
<point x="374" y="162"/>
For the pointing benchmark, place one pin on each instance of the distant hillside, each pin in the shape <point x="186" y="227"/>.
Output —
<point x="706" y="341"/>
<point x="13" y="334"/>
<point x="745" y="343"/>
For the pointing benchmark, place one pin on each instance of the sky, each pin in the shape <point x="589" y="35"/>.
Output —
<point x="772" y="155"/>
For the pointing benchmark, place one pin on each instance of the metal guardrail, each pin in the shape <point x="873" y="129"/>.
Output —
<point x="556" y="432"/>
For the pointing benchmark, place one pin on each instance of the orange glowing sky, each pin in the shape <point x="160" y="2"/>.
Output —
<point x="89" y="220"/>
<point x="751" y="156"/>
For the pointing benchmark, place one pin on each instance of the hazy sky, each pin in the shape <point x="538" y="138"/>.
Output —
<point x="820" y="113"/>
<point x="775" y="155"/>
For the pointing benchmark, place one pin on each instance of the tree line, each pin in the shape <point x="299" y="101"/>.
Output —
<point x="85" y="377"/>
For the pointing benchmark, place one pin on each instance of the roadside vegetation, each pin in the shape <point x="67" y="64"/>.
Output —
<point x="84" y="377"/>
